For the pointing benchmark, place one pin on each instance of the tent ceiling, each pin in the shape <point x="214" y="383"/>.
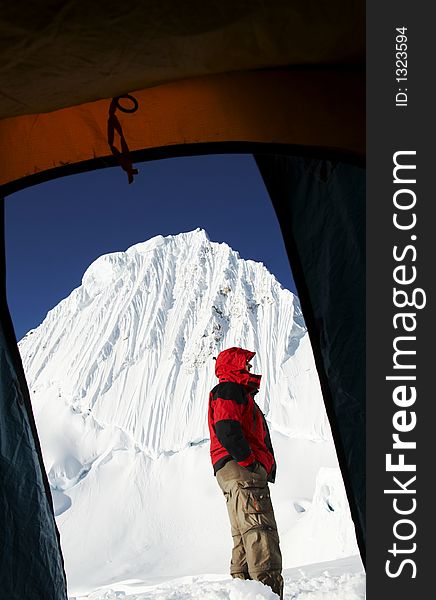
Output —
<point x="58" y="53"/>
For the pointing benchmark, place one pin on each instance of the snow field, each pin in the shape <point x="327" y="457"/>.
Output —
<point x="338" y="580"/>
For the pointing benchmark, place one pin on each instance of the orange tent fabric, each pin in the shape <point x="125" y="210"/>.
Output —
<point x="319" y="108"/>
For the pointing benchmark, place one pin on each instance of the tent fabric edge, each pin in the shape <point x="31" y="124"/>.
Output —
<point x="183" y="150"/>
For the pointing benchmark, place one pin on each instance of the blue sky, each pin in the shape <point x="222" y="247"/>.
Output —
<point x="56" y="229"/>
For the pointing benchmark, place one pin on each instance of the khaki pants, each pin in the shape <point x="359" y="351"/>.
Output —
<point x="256" y="551"/>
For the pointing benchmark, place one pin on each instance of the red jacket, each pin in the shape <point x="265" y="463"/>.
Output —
<point x="238" y="429"/>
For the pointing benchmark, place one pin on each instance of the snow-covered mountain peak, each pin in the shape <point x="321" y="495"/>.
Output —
<point x="106" y="269"/>
<point x="134" y="343"/>
<point x="195" y="238"/>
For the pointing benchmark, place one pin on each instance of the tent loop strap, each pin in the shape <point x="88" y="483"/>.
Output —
<point x="113" y="125"/>
<point x="123" y="108"/>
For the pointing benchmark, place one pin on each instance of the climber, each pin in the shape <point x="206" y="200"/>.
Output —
<point x="243" y="462"/>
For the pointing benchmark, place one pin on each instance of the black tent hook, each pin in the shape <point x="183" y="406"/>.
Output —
<point x="113" y="125"/>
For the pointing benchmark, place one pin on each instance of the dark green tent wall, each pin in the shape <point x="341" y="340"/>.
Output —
<point x="320" y="205"/>
<point x="31" y="564"/>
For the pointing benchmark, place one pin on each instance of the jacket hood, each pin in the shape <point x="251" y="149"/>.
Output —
<point x="231" y="366"/>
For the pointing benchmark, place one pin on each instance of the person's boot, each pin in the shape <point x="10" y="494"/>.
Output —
<point x="274" y="580"/>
